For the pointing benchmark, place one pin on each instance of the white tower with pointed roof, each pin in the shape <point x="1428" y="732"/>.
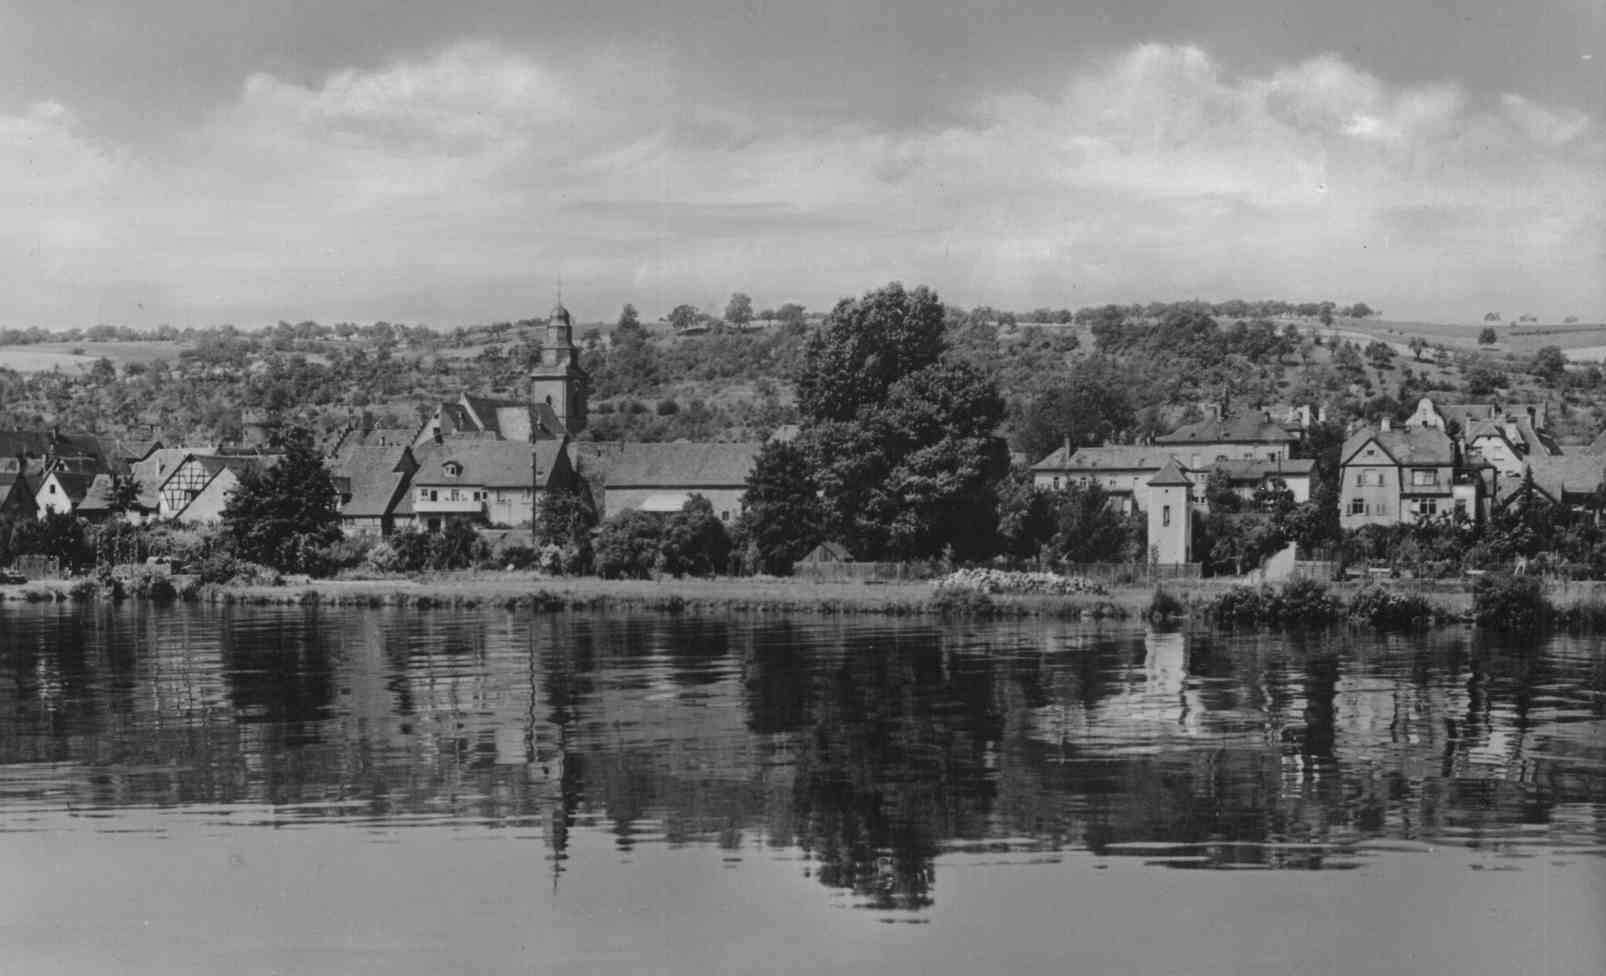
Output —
<point x="1170" y="516"/>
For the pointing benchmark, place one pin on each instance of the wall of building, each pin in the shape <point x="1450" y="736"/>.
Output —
<point x="1376" y="488"/>
<point x="207" y="507"/>
<point x="727" y="501"/>
<point x="1170" y="525"/>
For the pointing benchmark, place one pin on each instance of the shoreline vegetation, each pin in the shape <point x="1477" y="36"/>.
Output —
<point x="1500" y="603"/>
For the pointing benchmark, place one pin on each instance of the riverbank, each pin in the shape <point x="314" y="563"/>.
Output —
<point x="1451" y="601"/>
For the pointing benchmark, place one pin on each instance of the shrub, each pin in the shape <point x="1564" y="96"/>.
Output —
<point x="1164" y="605"/>
<point x="1298" y="602"/>
<point x="957" y="602"/>
<point x="519" y="557"/>
<point x="1512" y="603"/>
<point x="1383" y="608"/>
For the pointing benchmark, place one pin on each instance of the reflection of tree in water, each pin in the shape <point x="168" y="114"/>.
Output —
<point x="893" y="765"/>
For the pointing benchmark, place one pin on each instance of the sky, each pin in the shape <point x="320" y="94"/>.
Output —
<point x="196" y="162"/>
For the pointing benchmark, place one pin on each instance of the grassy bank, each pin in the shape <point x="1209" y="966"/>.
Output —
<point x="515" y="589"/>
<point x="1574" y="604"/>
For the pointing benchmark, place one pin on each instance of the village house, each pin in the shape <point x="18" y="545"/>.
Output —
<point x="1125" y="471"/>
<point x="64" y="485"/>
<point x="483" y="481"/>
<point x="199" y="487"/>
<point x="19" y="482"/>
<point x="1572" y="481"/>
<point x="1252" y="437"/>
<point x="1392" y="476"/>
<point x="1495" y="430"/>
<point x="1122" y="470"/>
<point x="372" y="471"/>
<point x="661" y="477"/>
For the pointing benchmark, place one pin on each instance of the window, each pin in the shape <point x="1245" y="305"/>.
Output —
<point x="423" y="494"/>
<point x="434" y="495"/>
<point x="453" y="469"/>
<point x="1357" y="506"/>
<point x="52" y="487"/>
<point x="1461" y="507"/>
<point x="725" y="516"/>
<point x="1425" y="477"/>
<point x="1165" y="514"/>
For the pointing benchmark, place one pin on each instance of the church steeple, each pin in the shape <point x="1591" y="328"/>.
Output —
<point x="556" y="379"/>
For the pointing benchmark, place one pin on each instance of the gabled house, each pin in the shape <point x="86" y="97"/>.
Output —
<point x="150" y="471"/>
<point x="371" y="479"/>
<point x="1123" y="471"/>
<point x="491" y="418"/>
<point x="199" y="487"/>
<point x="1252" y="436"/>
<point x="483" y="481"/>
<point x="19" y="482"/>
<point x="1250" y="477"/>
<point x="1574" y="481"/>
<point x="1391" y="476"/>
<point x="661" y="477"/>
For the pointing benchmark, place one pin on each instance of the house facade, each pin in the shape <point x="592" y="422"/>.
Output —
<point x="661" y="477"/>
<point x="483" y="482"/>
<point x="1392" y="476"/>
<point x="1248" y="437"/>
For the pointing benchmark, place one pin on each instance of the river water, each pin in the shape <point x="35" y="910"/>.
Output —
<point x="305" y="790"/>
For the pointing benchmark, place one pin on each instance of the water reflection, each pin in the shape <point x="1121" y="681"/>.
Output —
<point x="871" y="749"/>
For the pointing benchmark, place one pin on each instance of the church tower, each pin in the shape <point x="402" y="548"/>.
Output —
<point x="556" y="379"/>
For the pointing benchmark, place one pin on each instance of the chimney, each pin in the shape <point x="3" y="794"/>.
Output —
<point x="1067" y="447"/>
<point x="1388" y="425"/>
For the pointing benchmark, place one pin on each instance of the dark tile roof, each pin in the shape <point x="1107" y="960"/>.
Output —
<point x="1410" y="445"/>
<point x="486" y="462"/>
<point x="1170" y="474"/>
<point x="1254" y="428"/>
<point x="1119" y="457"/>
<point x="675" y="465"/>
<point x="98" y="497"/>
<point x="1560" y="476"/>
<point x="373" y="474"/>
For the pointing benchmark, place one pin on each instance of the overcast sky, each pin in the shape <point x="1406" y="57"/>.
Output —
<point x="203" y="161"/>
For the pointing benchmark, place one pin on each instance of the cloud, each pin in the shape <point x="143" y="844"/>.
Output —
<point x="464" y="183"/>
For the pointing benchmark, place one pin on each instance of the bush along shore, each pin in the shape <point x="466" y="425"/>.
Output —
<point x="1503" y="603"/>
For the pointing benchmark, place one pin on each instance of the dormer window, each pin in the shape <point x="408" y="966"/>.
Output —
<point x="453" y="469"/>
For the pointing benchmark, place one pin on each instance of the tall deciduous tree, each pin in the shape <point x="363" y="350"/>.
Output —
<point x="782" y="517"/>
<point x="285" y="515"/>
<point x="903" y="444"/>
<point x="739" y="310"/>
<point x="864" y="347"/>
<point x="1090" y="407"/>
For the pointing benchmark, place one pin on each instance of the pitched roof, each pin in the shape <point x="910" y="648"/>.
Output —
<point x="1598" y="445"/>
<point x="1170" y="474"/>
<point x="1252" y="428"/>
<point x="1410" y="445"/>
<point x="1577" y="474"/>
<point x="98" y="497"/>
<point x="1119" y="457"/>
<point x="486" y="462"/>
<point x="39" y="443"/>
<point x="373" y="476"/>
<point x="74" y="484"/>
<point x="675" y="465"/>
